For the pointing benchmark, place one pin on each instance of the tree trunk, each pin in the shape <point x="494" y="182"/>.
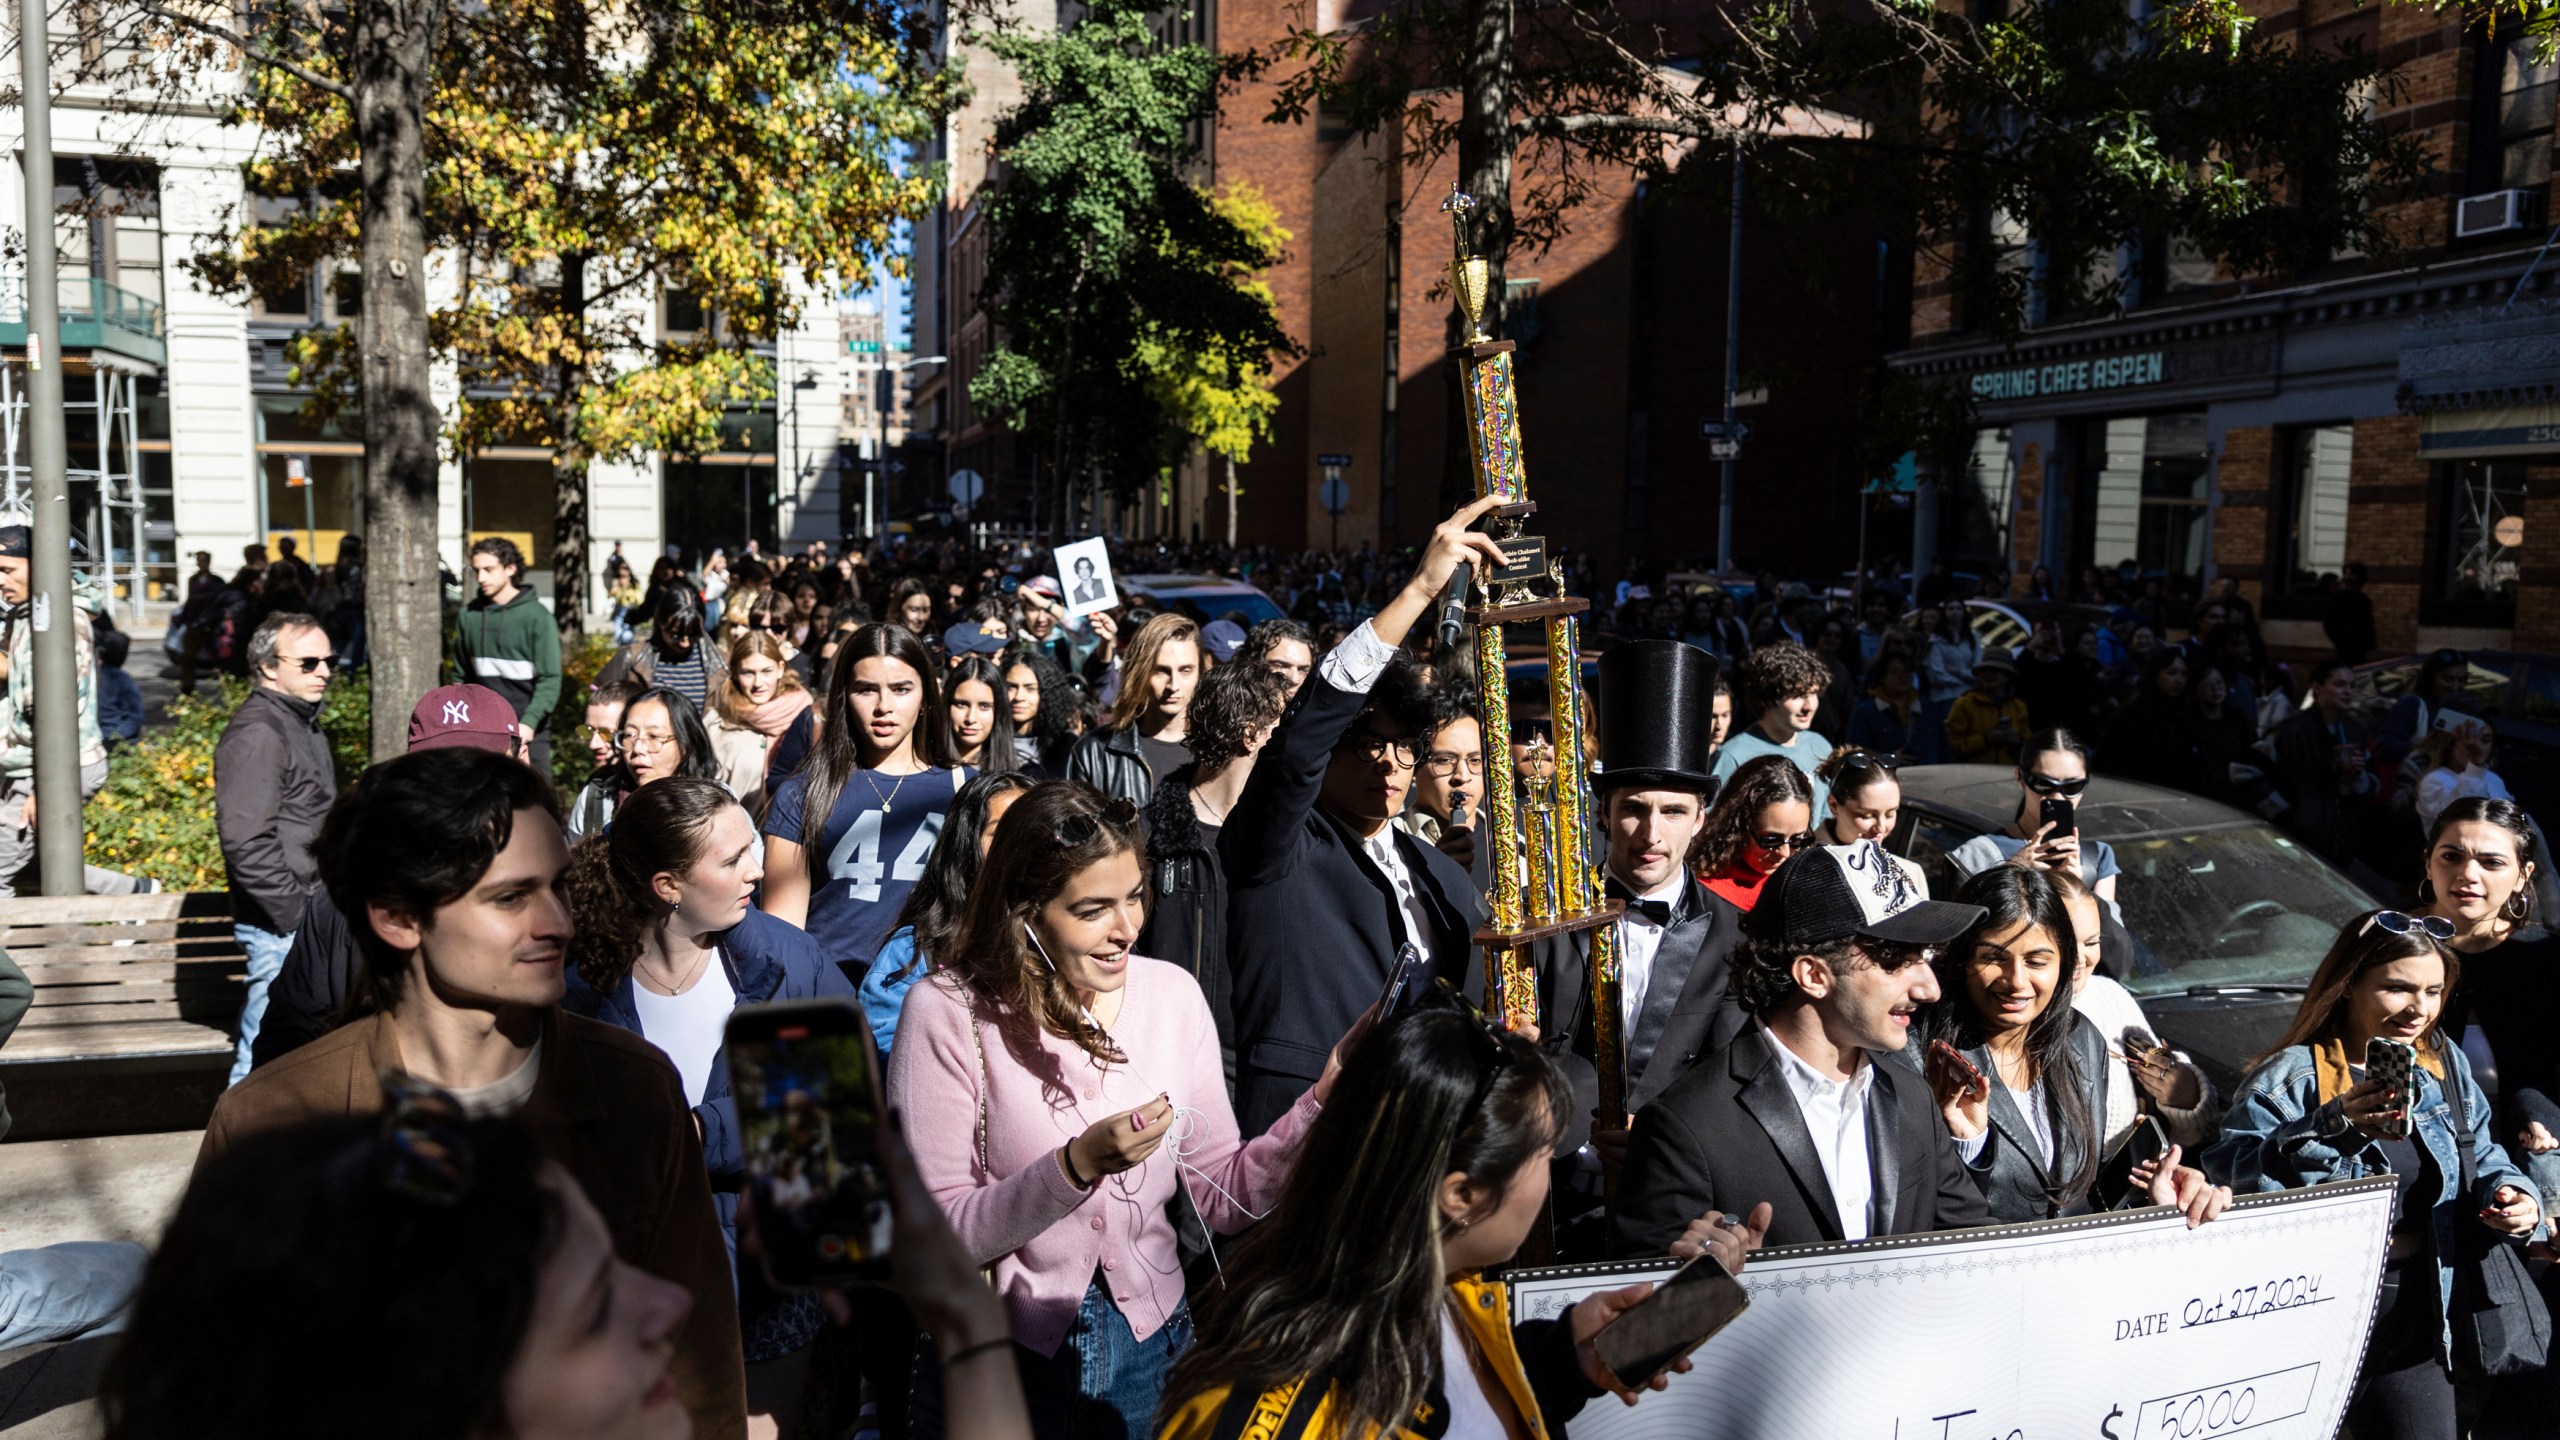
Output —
<point x="1485" y="142"/>
<point x="404" y="599"/>
<point x="569" y="459"/>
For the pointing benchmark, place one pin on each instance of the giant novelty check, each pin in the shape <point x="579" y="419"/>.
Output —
<point x="2112" y="1327"/>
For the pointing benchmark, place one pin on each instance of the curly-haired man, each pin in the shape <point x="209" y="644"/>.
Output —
<point x="1781" y="689"/>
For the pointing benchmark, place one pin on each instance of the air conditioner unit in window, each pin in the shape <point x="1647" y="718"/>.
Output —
<point x="2495" y="213"/>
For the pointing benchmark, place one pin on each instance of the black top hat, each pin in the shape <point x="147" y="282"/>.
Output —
<point x="1657" y="704"/>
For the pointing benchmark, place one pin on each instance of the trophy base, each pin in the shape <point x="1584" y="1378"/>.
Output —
<point x="1527" y="611"/>
<point x="1608" y="911"/>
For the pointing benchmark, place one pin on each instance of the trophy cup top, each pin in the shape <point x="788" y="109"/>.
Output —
<point x="1469" y="276"/>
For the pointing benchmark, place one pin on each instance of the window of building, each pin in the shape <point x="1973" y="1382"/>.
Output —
<point x="2151" y="475"/>
<point x="2480" y="543"/>
<point x="2310" y="519"/>
<point x="513" y="497"/>
<point x="2527" y="85"/>
<point x="1520" y="311"/>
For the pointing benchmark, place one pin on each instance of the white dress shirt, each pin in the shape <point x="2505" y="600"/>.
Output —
<point x="1639" y="940"/>
<point x="1355" y="665"/>
<point x="1836" y="1112"/>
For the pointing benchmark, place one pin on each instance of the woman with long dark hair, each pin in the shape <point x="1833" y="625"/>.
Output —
<point x="1041" y="1067"/>
<point x="931" y="916"/>
<point x="1763" y="814"/>
<point x="847" y="836"/>
<point x="1368" y="1280"/>
<point x="661" y="736"/>
<point x="981" y="722"/>
<point x="668" y="944"/>
<point x="2005" y="1002"/>
<point x="673" y="653"/>
<point x="2485" y="874"/>
<point x="1040" y="703"/>
<point x="2309" y="1113"/>
<point x="911" y="607"/>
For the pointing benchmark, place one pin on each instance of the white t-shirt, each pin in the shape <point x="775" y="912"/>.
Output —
<point x="500" y="1099"/>
<point x="688" y="1027"/>
<point x="1471" y="1416"/>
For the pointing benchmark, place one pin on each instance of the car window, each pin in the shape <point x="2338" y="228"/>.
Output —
<point x="2242" y="905"/>
<point x="1924" y="838"/>
<point x="2542" y="695"/>
<point x="1993" y="627"/>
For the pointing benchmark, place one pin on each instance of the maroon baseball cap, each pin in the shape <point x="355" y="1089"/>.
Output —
<point x="472" y="715"/>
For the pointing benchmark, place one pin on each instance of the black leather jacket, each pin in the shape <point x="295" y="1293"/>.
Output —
<point x="1111" y="762"/>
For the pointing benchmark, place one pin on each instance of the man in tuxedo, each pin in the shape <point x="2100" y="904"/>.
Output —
<point x="1322" y="888"/>
<point x="1675" y="934"/>
<point x="1798" y="1114"/>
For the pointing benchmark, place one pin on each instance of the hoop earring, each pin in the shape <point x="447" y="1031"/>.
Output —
<point x="2519" y="906"/>
<point x="2426" y="890"/>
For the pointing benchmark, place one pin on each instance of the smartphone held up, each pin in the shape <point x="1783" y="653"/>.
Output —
<point x="807" y="1082"/>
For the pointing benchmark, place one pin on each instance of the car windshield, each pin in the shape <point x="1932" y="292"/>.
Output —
<point x="2236" y="905"/>
<point x="1203" y="606"/>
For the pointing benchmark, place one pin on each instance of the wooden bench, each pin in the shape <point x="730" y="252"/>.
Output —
<point x="137" y="998"/>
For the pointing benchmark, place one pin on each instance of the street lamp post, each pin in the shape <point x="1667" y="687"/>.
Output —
<point x="57" y="701"/>
<point x="881" y="396"/>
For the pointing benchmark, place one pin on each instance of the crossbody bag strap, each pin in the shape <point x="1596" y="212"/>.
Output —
<point x="2461" y="1129"/>
<point x="980" y="1046"/>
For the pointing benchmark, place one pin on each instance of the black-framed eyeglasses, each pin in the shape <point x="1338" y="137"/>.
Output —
<point x="2434" y="927"/>
<point x="1081" y="827"/>
<point x="1371" y="746"/>
<point x="1802" y="840"/>
<point x="2048" y="785"/>
<point x="1449" y="762"/>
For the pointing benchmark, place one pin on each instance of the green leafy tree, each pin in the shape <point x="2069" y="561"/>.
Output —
<point x="2064" y="120"/>
<point x="1128" y="321"/>
<point x="569" y="161"/>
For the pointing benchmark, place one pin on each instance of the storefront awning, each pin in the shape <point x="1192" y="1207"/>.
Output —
<point x="2494" y="430"/>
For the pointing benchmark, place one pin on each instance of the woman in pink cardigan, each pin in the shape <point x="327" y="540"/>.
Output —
<point x="1055" y="1087"/>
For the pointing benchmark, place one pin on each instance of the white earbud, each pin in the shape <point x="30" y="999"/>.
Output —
<point x="1036" y="945"/>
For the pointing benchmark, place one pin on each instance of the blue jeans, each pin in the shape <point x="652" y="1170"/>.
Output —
<point x="266" y="961"/>
<point x="80" y="1287"/>
<point x="1103" y="1384"/>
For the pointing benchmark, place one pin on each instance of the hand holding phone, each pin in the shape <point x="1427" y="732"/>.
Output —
<point x="1638" y="1342"/>
<point x="2393" y="1065"/>
<point x="2057" y="814"/>
<point x="1963" y="1092"/>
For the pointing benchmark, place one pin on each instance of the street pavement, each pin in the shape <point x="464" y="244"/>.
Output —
<point x="117" y="1187"/>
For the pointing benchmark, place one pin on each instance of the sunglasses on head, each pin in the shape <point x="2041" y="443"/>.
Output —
<point x="2047" y="785"/>
<point x="2434" y="927"/>
<point x="1485" y="1035"/>
<point x="1080" y="828"/>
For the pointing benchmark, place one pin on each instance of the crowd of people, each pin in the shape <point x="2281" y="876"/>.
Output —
<point x="1118" y="892"/>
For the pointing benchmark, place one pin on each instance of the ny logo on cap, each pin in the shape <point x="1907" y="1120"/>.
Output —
<point x="457" y="712"/>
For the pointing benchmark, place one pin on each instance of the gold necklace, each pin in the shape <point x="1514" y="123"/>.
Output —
<point x="891" y="798"/>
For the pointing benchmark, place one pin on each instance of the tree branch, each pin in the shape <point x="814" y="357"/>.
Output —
<point x="1646" y="124"/>
<point x="236" y="40"/>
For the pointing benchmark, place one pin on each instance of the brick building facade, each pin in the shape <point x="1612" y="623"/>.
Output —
<point x="2406" y="418"/>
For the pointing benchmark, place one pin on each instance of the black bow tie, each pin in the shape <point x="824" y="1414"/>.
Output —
<point x="1657" y="911"/>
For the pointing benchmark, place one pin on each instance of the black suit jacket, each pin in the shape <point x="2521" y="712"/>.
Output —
<point x="1687" y="1012"/>
<point x="1728" y="1135"/>
<point x="1312" y="924"/>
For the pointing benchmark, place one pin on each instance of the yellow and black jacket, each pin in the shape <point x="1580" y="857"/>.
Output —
<point x="1535" y="1360"/>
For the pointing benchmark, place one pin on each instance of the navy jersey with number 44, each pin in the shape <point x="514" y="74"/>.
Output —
<point x="866" y="860"/>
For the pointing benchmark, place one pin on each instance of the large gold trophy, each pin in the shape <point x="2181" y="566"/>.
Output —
<point x="1558" y="889"/>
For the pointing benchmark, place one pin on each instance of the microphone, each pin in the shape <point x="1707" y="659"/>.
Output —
<point x="1453" y="604"/>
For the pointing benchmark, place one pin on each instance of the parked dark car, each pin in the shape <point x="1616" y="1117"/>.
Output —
<point x="2229" y="916"/>
<point x="2519" y="693"/>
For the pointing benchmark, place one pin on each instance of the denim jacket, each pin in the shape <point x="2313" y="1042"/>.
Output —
<point x="2271" y="1141"/>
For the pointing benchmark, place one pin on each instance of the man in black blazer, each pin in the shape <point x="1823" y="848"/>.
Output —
<point x="1797" y="1113"/>
<point x="1322" y="888"/>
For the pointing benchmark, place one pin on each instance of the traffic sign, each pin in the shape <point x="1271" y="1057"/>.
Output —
<point x="297" y="472"/>
<point x="1737" y="430"/>
<point x="967" y="486"/>
<point x="1336" y="460"/>
<point x="863" y="347"/>
<point x="1335" y="495"/>
<point x="1723" y="449"/>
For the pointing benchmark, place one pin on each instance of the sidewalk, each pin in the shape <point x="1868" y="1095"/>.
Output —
<point x="118" y="1187"/>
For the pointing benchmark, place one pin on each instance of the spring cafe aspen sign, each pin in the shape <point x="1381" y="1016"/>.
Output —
<point x="2072" y="377"/>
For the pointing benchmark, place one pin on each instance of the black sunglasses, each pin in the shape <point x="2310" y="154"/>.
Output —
<point x="1790" y="843"/>
<point x="2047" y="785"/>
<point x="309" y="663"/>
<point x="1080" y="828"/>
